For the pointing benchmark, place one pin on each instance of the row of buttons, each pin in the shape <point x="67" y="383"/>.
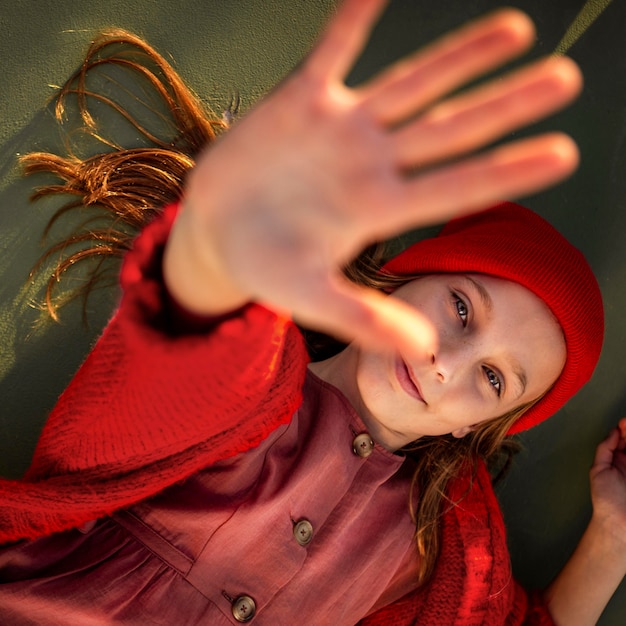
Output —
<point x="244" y="607"/>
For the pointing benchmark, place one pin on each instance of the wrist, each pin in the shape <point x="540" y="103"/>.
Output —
<point x="192" y="273"/>
<point x="607" y="537"/>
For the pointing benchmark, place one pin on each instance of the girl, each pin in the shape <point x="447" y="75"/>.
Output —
<point x="198" y="470"/>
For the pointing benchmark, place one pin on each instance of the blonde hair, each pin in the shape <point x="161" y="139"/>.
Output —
<point x="127" y="185"/>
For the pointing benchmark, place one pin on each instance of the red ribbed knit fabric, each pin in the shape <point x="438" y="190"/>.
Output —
<point x="105" y="446"/>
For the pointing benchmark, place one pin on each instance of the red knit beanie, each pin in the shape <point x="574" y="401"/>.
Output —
<point x="511" y="242"/>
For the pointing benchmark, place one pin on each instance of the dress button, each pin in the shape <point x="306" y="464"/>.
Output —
<point x="362" y="445"/>
<point x="243" y="608"/>
<point x="303" y="532"/>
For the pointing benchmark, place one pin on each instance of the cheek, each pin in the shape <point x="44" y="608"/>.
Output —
<point x="464" y="403"/>
<point x="370" y="378"/>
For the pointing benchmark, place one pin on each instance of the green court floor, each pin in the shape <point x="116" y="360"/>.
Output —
<point x="245" y="47"/>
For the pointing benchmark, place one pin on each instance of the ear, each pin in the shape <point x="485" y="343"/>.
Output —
<point x="459" y="433"/>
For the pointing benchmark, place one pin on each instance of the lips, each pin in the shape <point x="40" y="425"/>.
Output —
<point x="407" y="381"/>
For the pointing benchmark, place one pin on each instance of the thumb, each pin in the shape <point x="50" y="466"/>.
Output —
<point x="605" y="451"/>
<point x="367" y="317"/>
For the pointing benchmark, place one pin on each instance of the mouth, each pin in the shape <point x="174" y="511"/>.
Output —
<point x="407" y="380"/>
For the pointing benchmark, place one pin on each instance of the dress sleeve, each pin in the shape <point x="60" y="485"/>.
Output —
<point x="472" y="584"/>
<point x="157" y="399"/>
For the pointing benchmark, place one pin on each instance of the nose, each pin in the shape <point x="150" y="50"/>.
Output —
<point x="448" y="360"/>
<point x="440" y="372"/>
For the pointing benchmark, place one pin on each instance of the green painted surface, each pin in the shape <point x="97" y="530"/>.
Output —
<point x="248" y="46"/>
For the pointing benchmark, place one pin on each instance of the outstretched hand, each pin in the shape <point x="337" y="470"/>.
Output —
<point x="318" y="170"/>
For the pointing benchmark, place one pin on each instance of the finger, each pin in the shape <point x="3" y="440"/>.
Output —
<point x="447" y="64"/>
<point x="367" y="317"/>
<point x="603" y="458"/>
<point x="516" y="169"/>
<point x="471" y="121"/>
<point x="346" y="35"/>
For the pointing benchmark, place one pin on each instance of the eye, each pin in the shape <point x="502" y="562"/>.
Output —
<point x="493" y="379"/>
<point x="461" y="309"/>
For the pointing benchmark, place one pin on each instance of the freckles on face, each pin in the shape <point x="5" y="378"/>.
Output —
<point x="498" y="347"/>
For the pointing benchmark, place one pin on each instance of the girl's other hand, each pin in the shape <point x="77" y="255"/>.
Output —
<point x="318" y="170"/>
<point x="608" y="484"/>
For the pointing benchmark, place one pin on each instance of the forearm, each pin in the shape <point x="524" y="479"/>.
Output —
<point x="579" y="594"/>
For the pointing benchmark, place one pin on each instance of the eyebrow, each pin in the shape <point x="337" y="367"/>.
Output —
<point x="482" y="292"/>
<point x="487" y="302"/>
<point x="520" y="374"/>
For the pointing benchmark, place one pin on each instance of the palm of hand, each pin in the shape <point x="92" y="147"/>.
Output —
<point x="317" y="171"/>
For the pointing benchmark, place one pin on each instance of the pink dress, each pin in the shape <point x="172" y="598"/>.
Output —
<point x="256" y="538"/>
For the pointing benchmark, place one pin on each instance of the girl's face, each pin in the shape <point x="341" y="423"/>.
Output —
<point x="497" y="346"/>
